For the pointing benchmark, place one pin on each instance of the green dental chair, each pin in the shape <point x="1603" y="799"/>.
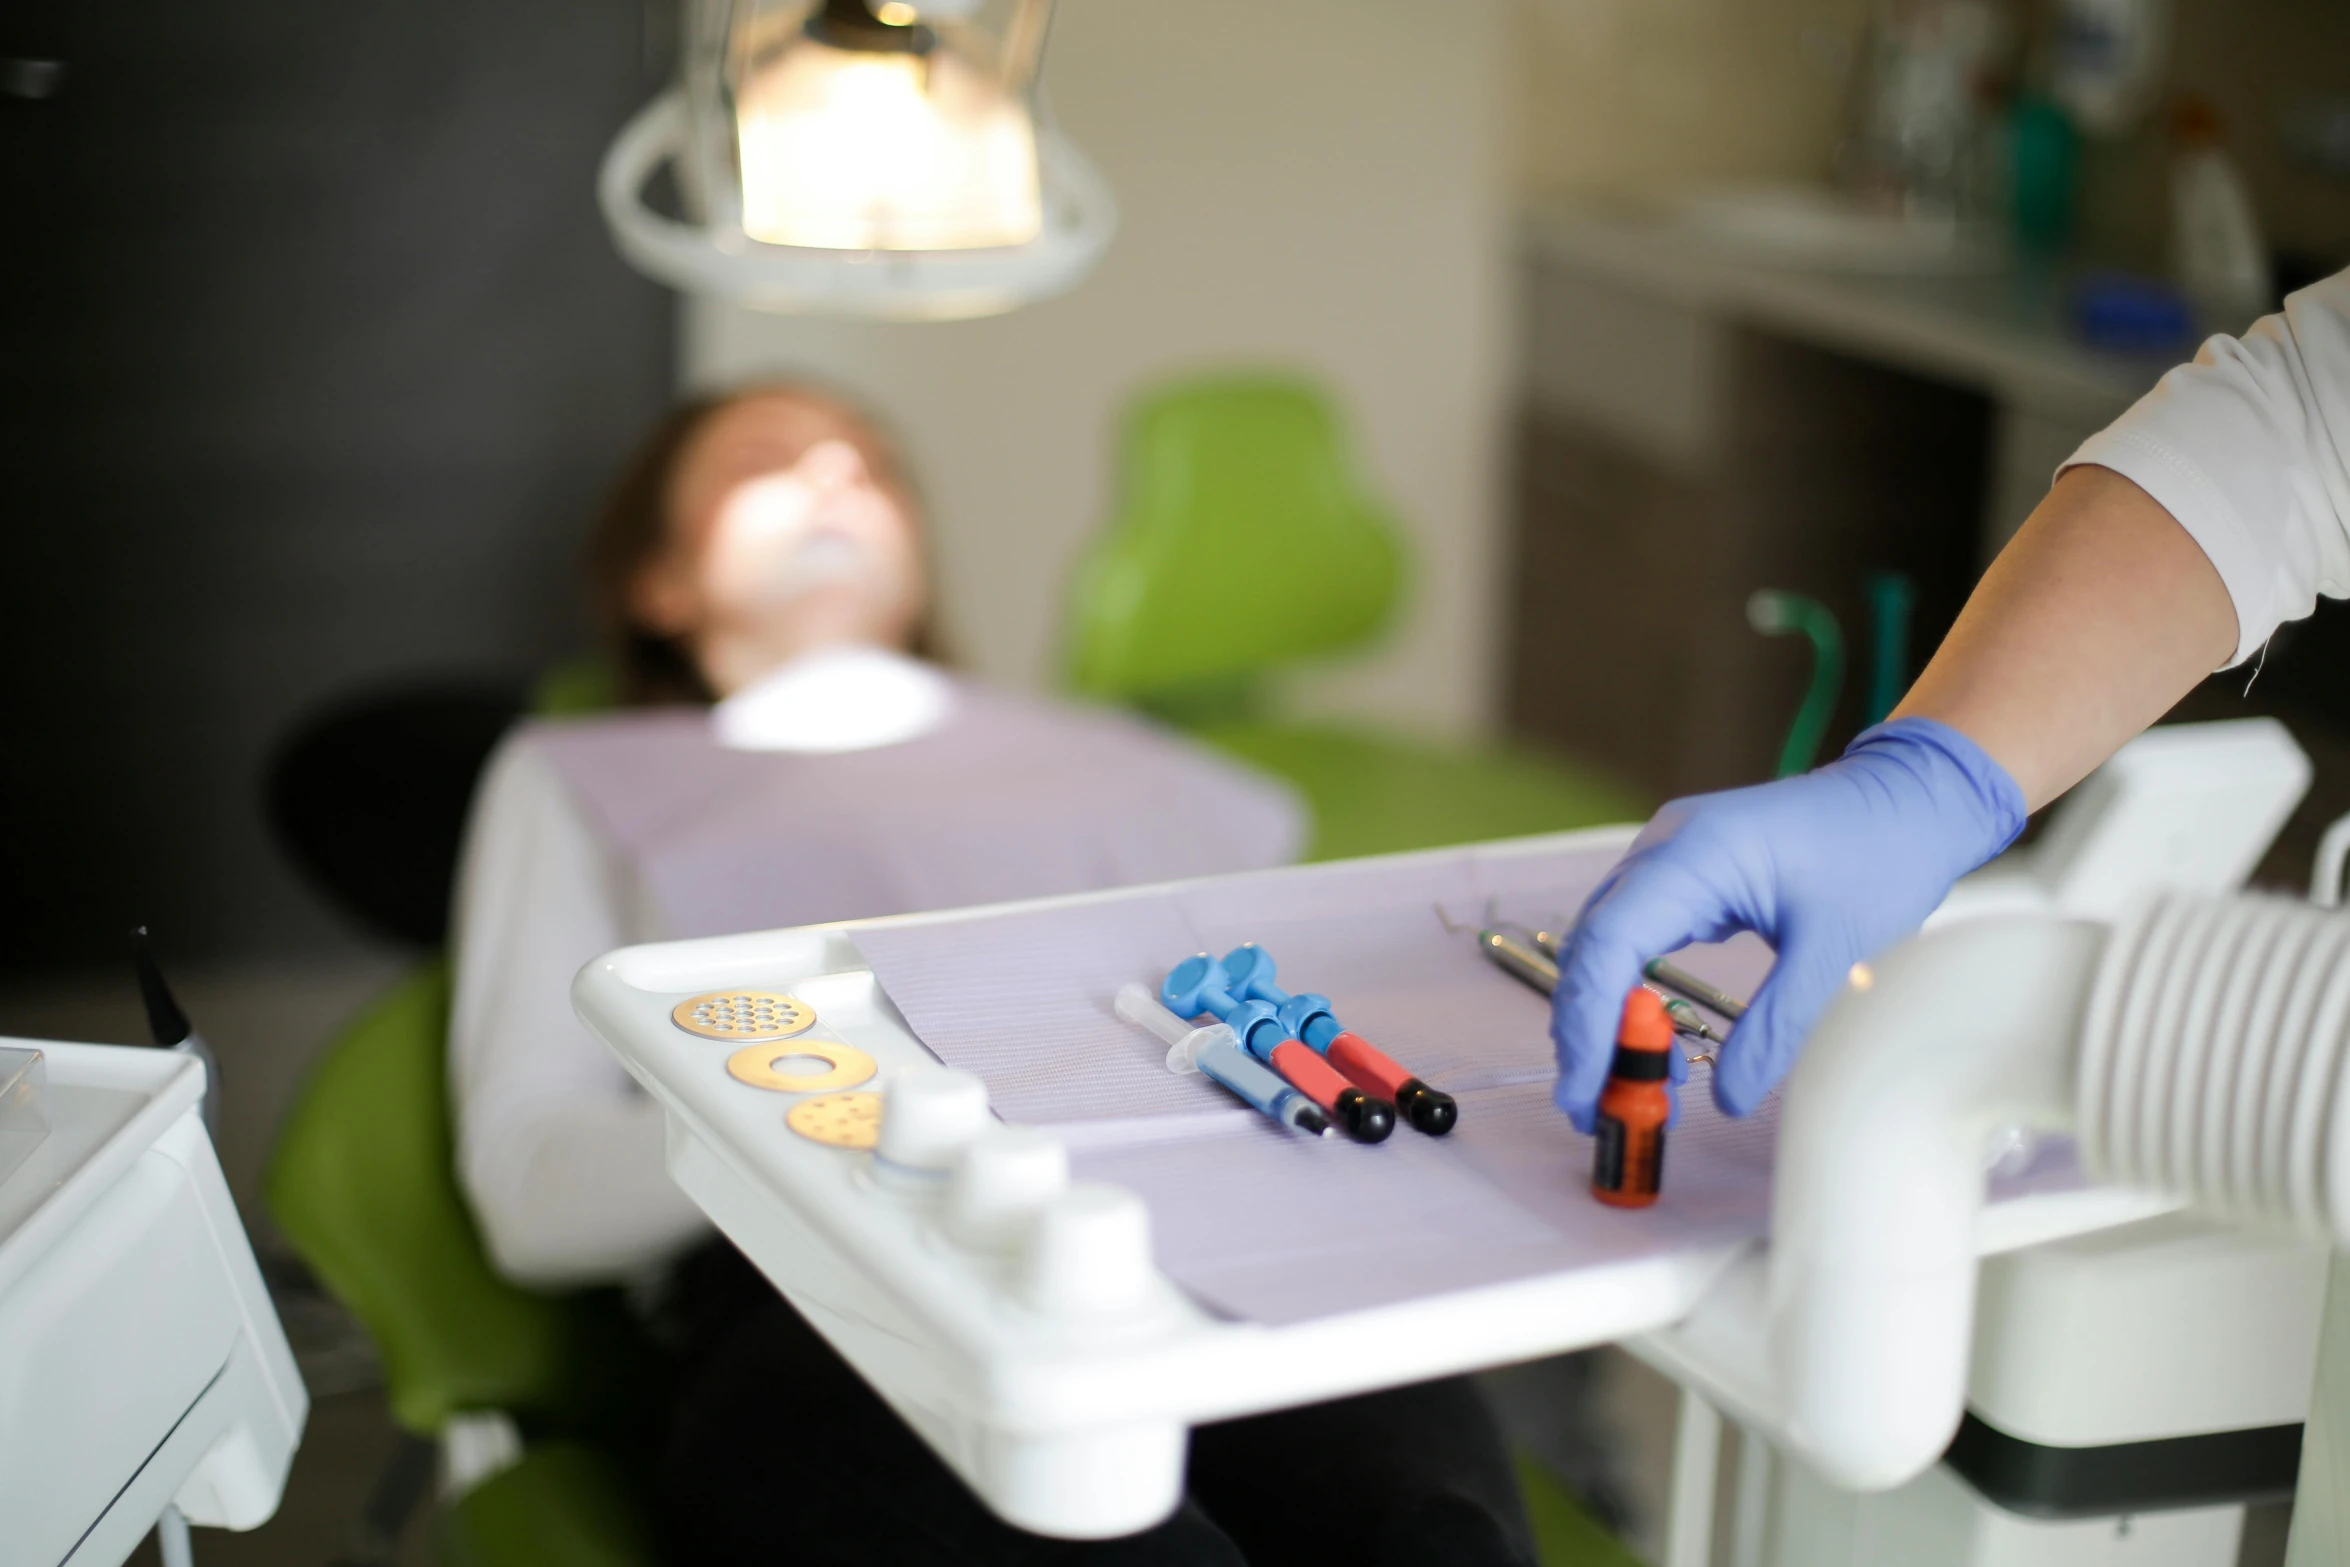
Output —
<point x="362" y="1183"/>
<point x="536" y="1405"/>
<point x="1245" y="543"/>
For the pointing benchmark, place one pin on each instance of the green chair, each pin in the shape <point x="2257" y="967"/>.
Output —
<point x="1245" y="543"/>
<point x="362" y="1184"/>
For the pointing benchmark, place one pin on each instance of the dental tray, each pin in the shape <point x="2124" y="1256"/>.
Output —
<point x="24" y="1106"/>
<point x="1273" y="1269"/>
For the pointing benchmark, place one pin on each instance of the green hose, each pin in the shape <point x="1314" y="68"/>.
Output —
<point x="1774" y="613"/>
<point x="1891" y="598"/>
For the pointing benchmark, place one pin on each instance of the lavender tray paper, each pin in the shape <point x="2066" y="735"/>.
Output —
<point x="1266" y="1225"/>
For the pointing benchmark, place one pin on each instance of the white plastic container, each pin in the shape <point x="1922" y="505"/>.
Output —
<point x="2217" y="252"/>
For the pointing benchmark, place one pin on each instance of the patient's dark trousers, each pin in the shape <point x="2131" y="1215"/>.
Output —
<point x="777" y="1454"/>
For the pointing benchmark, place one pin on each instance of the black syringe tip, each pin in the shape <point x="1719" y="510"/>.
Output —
<point x="1426" y="1108"/>
<point x="1312" y="1120"/>
<point x="167" y="1025"/>
<point x="1366" y="1120"/>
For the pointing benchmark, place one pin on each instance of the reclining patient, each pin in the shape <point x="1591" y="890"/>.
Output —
<point x="783" y="757"/>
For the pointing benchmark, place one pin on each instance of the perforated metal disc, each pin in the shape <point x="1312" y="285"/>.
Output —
<point x="838" y="1120"/>
<point x="743" y="1015"/>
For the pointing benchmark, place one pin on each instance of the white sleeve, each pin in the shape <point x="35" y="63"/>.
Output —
<point x="559" y="1151"/>
<point x="2249" y="448"/>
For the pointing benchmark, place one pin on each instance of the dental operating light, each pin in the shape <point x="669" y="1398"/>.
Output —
<point x="871" y="158"/>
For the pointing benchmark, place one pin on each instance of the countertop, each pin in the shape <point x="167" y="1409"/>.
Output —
<point x="2000" y="330"/>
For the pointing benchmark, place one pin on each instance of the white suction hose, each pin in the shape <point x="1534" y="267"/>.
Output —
<point x="2325" y="870"/>
<point x="1880" y="1177"/>
<point x="2197" y="1048"/>
<point x="2211" y="1063"/>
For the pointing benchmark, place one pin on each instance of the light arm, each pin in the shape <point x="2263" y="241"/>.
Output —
<point x="2175" y="542"/>
<point x="2096" y="618"/>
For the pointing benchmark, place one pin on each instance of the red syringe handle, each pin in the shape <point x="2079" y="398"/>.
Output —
<point x="1373" y="1070"/>
<point x="1366" y="1117"/>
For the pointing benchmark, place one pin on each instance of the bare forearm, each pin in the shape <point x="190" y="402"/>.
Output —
<point x="2097" y="617"/>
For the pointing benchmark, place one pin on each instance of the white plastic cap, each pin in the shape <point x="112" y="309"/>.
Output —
<point x="1136" y="1004"/>
<point x="1090" y="1251"/>
<point x="1005" y="1175"/>
<point x="928" y="1115"/>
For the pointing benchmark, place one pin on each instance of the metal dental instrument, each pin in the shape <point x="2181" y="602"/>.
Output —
<point x="1532" y="955"/>
<point x="1670" y="975"/>
<point x="1697" y="990"/>
<point x="1522" y="959"/>
<point x="1528" y="961"/>
<point x="1688" y="1021"/>
<point x="1526" y="958"/>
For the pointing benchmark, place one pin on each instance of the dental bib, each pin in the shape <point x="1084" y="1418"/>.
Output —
<point x="960" y="794"/>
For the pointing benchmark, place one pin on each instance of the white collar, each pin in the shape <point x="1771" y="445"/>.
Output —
<point x="844" y="698"/>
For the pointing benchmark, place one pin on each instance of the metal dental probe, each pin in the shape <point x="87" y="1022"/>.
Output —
<point x="1529" y="963"/>
<point x="1670" y="975"/>
<point x="1520" y="959"/>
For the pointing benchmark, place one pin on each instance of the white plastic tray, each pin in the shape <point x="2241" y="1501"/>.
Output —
<point x="1072" y="1427"/>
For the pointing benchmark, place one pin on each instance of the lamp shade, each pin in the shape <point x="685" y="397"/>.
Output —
<point x="840" y="159"/>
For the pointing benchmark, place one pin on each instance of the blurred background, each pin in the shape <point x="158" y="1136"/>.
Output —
<point x="315" y="357"/>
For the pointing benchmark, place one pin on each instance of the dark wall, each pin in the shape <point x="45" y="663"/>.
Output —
<point x="1629" y="640"/>
<point x="316" y="359"/>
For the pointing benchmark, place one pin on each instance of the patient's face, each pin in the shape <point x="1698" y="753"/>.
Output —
<point x="784" y="537"/>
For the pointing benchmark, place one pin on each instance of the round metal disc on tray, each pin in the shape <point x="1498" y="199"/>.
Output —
<point x="744" y="1015"/>
<point x="846" y="1066"/>
<point x="838" y="1120"/>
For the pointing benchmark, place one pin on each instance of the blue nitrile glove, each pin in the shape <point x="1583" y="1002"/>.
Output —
<point x="1830" y="868"/>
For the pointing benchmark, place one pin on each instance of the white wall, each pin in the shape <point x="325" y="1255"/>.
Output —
<point x="1311" y="183"/>
<point x="1622" y="98"/>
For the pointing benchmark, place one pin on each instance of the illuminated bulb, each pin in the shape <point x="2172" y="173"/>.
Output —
<point x="1861" y="976"/>
<point x="861" y="150"/>
<point x="897" y="13"/>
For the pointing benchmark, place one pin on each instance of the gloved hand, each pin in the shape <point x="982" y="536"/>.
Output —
<point x="1830" y="868"/>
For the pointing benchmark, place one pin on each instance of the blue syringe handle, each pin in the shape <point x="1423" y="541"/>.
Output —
<point x="1248" y="970"/>
<point x="1198" y="984"/>
<point x="1249" y="973"/>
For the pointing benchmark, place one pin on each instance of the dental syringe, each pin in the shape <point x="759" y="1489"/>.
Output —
<point x="1215" y="1052"/>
